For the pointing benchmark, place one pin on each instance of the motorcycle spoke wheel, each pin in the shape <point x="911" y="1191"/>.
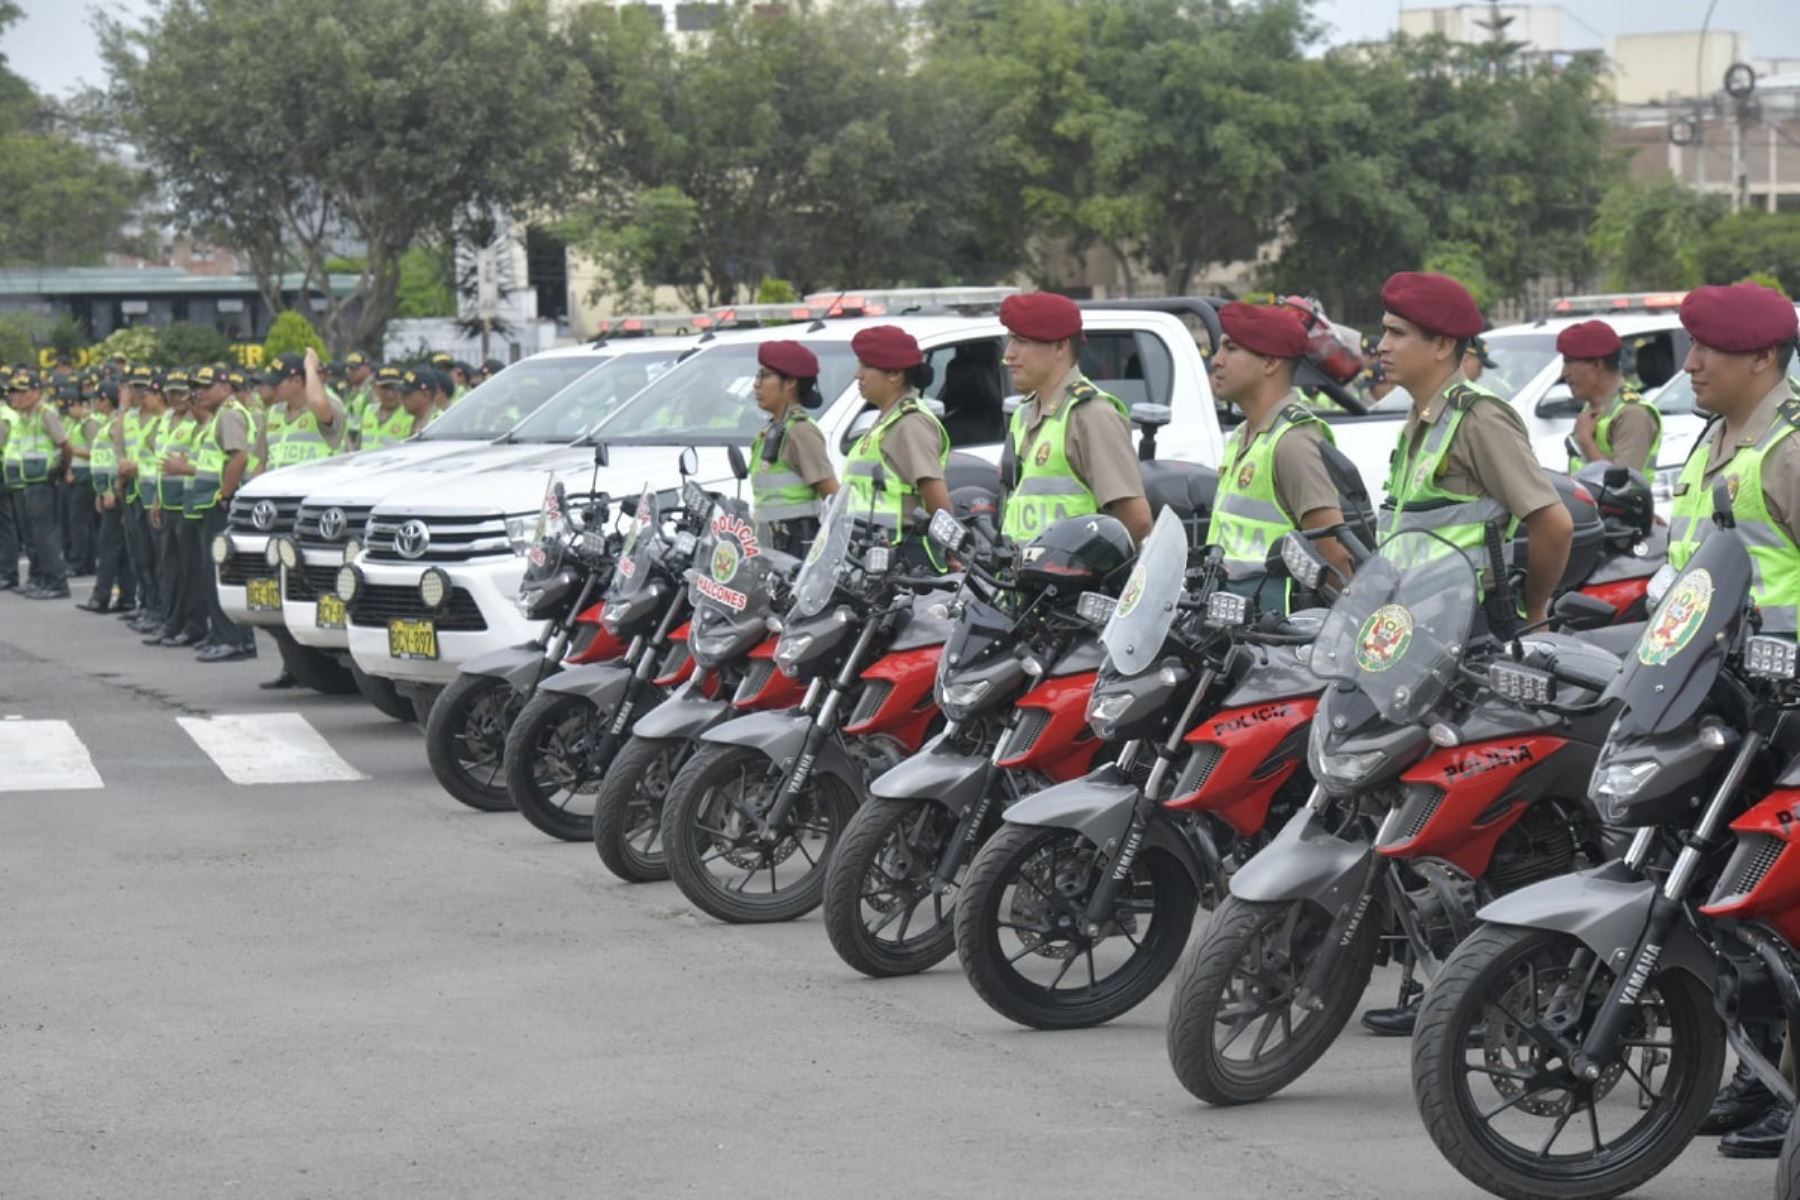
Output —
<point x="1492" y="1073"/>
<point x="886" y="911"/>
<point x="465" y="740"/>
<point x="628" y="813"/>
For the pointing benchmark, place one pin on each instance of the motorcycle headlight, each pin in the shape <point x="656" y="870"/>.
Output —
<point x="791" y="650"/>
<point x="1622" y="781"/>
<point x="1347" y="769"/>
<point x="521" y="532"/>
<point x="1105" y="712"/>
<point x="960" y="698"/>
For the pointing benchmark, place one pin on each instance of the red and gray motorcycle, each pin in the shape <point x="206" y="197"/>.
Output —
<point x="753" y="818"/>
<point x="1013" y="681"/>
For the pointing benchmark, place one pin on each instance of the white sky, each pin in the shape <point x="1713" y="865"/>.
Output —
<point x="53" y="47"/>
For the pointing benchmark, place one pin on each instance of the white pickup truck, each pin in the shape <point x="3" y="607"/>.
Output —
<point x="461" y="525"/>
<point x="254" y="590"/>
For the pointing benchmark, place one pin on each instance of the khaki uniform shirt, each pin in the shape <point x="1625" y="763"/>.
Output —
<point x="1632" y="432"/>
<point x="1302" y="484"/>
<point x="803" y="452"/>
<point x="1780" y="467"/>
<point x="1098" y="444"/>
<point x="913" y="448"/>
<point x="53" y="424"/>
<point x="234" y="432"/>
<point x="1490" y="456"/>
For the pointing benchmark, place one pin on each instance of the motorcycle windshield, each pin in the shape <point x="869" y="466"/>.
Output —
<point x="817" y="580"/>
<point x="544" y="559"/>
<point x="1140" y="622"/>
<point x="632" y="570"/>
<point x="1400" y="628"/>
<point x="980" y="629"/>
<point x="1678" y="656"/>
<point x="730" y="569"/>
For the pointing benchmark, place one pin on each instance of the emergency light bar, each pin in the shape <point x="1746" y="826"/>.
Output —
<point x="647" y="324"/>
<point x="1617" y="302"/>
<point x="876" y="302"/>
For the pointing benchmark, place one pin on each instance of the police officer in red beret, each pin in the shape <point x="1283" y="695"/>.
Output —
<point x="790" y="472"/>
<point x="1615" y="425"/>
<point x="907" y="442"/>
<point x="1071" y="441"/>
<point x="1464" y="458"/>
<point x="1273" y="479"/>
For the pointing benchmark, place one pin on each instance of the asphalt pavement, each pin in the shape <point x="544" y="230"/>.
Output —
<point x="335" y="980"/>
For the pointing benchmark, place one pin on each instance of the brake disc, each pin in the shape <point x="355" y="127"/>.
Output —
<point x="1505" y="1047"/>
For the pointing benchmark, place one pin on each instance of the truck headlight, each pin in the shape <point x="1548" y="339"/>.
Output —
<point x="521" y="532"/>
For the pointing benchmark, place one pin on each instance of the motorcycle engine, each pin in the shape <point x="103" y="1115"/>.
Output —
<point x="1444" y="906"/>
<point x="877" y="754"/>
<point x="1539" y="847"/>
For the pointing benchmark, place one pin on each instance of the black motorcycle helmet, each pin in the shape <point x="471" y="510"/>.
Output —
<point x="1623" y="498"/>
<point x="1083" y="553"/>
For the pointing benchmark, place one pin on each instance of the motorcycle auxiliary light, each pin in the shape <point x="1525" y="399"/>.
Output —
<point x="1227" y="610"/>
<point x="1096" y="608"/>
<point x="1771" y="657"/>
<point x="1522" y="685"/>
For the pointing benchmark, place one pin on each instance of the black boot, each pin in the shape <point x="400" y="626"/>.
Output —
<point x="1759" y="1140"/>
<point x="1743" y="1101"/>
<point x="1399" y="1020"/>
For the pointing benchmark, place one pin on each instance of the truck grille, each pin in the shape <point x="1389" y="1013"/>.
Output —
<point x="242" y="567"/>
<point x="306" y="524"/>
<point x="451" y="539"/>
<point x="378" y="603"/>
<point x="309" y="583"/>
<point x="238" y="518"/>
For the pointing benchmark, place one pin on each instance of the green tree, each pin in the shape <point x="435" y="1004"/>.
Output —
<point x="292" y="334"/>
<point x="16" y="334"/>
<point x="61" y="201"/>
<point x="427" y="282"/>
<point x="186" y="344"/>
<point x="1650" y="237"/>
<point x="1753" y="243"/>
<point x="291" y="128"/>
<point x="136" y="342"/>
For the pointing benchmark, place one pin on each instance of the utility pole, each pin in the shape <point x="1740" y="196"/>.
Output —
<point x="1740" y="85"/>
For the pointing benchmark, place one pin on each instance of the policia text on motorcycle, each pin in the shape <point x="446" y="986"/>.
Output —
<point x="1464" y="458"/>
<point x="1273" y="479"/>
<point x="1616" y="425"/>
<point x="1070" y="441"/>
<point x="790" y="471"/>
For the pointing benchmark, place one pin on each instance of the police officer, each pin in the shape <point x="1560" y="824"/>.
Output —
<point x="1463" y="461"/>
<point x="790" y="471"/>
<point x="112" y="565"/>
<point x="1070" y="441"/>
<point x="221" y="455"/>
<point x="490" y="367"/>
<point x="389" y="421"/>
<point x="80" y="517"/>
<point x="9" y="518"/>
<point x="359" y="376"/>
<point x="418" y="399"/>
<point x="1273" y="479"/>
<point x="37" y="451"/>
<point x="462" y="379"/>
<point x="140" y="420"/>
<point x="1743" y="344"/>
<point x="907" y="442"/>
<point x="183" y="613"/>
<point x="1464" y="458"/>
<point x="1475" y="359"/>
<point x="1615" y="425"/>
<point x="304" y="421"/>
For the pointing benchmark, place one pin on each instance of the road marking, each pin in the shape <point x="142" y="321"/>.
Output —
<point x="268" y="748"/>
<point x="44" y="756"/>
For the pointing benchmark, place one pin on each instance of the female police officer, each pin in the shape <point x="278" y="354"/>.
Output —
<point x="907" y="441"/>
<point x="790" y="472"/>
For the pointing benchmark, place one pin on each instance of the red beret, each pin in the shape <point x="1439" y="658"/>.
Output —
<point x="1739" y="319"/>
<point x="1589" y="339"/>
<point x="887" y="348"/>
<point x="1041" y="316"/>
<point x="1435" y="303"/>
<point x="790" y="358"/>
<point x="1272" y="330"/>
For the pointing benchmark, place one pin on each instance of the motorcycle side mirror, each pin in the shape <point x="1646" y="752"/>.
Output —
<point x="740" y="468"/>
<point x="1151" y="416"/>
<point x="1577" y="610"/>
<point x="600" y="455"/>
<point x="1558" y="401"/>
<point x="690" y="461"/>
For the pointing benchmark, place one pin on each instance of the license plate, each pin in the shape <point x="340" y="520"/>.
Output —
<point x="412" y="639"/>
<point x="263" y="595"/>
<point x="330" y="614"/>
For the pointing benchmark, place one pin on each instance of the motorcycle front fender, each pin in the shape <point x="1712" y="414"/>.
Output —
<point x="601" y="683"/>
<point x="1098" y="806"/>
<point x="1304" y="862"/>
<point x="957" y="781"/>
<point x="1606" y="908"/>
<point x="781" y="736"/>
<point x="686" y="714"/>
<point x="518" y="665"/>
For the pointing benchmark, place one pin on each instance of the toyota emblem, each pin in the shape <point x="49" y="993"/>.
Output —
<point x="331" y="524"/>
<point x="263" y="515"/>
<point x="412" y="539"/>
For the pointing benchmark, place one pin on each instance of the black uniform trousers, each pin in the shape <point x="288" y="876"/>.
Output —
<point x="175" y="545"/>
<point x="80" y="523"/>
<point x="44" y="534"/>
<point x="140" y="547"/>
<point x="221" y="629"/>
<point x="112" y="565"/>
<point x="9" y="539"/>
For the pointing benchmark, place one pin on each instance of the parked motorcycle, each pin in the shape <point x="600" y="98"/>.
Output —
<point x="567" y="567"/>
<point x="1078" y="907"/>
<point x="1013" y="680"/>
<point x="776" y="790"/>
<point x="1573" y="1042"/>
<point x="566" y="737"/>
<point x="1446" y="776"/>
<point x="736" y="588"/>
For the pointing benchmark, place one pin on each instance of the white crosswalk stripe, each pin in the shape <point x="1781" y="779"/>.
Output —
<point x="44" y="756"/>
<point x="268" y="748"/>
